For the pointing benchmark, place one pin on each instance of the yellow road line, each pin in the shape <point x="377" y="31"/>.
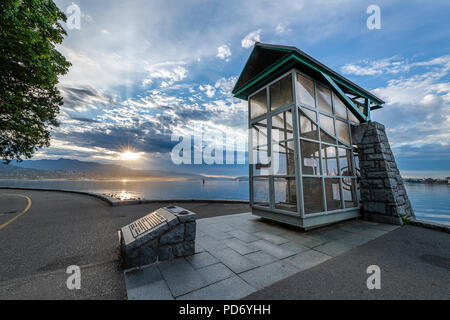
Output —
<point x="20" y="214"/>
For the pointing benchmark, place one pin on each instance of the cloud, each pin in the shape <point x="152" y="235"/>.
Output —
<point x="282" y="28"/>
<point x="144" y="123"/>
<point x="250" y="39"/>
<point x="208" y="89"/>
<point x="223" y="52"/>
<point x="417" y="113"/>
<point x="391" y="65"/>
<point x="225" y="85"/>
<point x="169" y="72"/>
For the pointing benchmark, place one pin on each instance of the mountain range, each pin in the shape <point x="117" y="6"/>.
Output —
<point x="70" y="168"/>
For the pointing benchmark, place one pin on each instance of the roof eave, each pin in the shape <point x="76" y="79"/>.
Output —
<point x="303" y="58"/>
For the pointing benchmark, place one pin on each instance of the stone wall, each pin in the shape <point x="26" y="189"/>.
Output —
<point x="383" y="195"/>
<point x="164" y="234"/>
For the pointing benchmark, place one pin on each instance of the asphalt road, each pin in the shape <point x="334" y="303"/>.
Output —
<point x="414" y="264"/>
<point x="54" y="230"/>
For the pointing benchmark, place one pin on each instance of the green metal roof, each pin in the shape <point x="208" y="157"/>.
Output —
<point x="268" y="61"/>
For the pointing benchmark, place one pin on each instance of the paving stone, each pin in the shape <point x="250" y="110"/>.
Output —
<point x="334" y="248"/>
<point x="139" y="277"/>
<point x="307" y="259"/>
<point x="154" y="291"/>
<point x="209" y="243"/>
<point x="261" y="258"/>
<point x="202" y="259"/>
<point x="354" y="227"/>
<point x="385" y="227"/>
<point x="372" y="233"/>
<point x="181" y="277"/>
<point x="146" y="284"/>
<point x="294" y="247"/>
<point x="355" y="239"/>
<point x="233" y="260"/>
<point x="267" y="228"/>
<point x="243" y="236"/>
<point x="305" y="240"/>
<point x="240" y="246"/>
<point x="219" y="235"/>
<point x="198" y="247"/>
<point x="215" y="273"/>
<point x="273" y="249"/>
<point x="266" y="275"/>
<point x="224" y="227"/>
<point x="318" y="237"/>
<point x="271" y="237"/>
<point x="251" y="227"/>
<point x="334" y="233"/>
<point x="229" y="289"/>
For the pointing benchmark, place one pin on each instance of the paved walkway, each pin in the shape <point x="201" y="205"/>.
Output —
<point x="238" y="255"/>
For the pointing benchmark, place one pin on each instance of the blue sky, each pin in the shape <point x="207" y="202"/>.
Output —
<point x="143" y="70"/>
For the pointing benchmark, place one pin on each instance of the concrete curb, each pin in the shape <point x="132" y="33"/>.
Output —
<point x="116" y="203"/>
<point x="430" y="225"/>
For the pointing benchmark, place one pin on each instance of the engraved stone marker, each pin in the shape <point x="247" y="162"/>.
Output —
<point x="164" y="234"/>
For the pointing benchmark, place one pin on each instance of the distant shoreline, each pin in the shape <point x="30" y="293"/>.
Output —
<point x="105" y="179"/>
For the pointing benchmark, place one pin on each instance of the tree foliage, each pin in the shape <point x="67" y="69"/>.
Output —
<point x="29" y="69"/>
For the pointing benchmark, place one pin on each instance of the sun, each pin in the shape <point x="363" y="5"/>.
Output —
<point x="129" y="155"/>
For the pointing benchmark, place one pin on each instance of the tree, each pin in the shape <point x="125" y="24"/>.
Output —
<point x="29" y="69"/>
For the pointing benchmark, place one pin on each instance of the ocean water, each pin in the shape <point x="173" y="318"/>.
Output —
<point x="430" y="201"/>
<point x="146" y="189"/>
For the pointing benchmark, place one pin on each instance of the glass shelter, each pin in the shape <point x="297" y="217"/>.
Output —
<point x="303" y="164"/>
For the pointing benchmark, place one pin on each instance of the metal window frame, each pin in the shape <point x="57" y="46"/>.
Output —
<point x="296" y="107"/>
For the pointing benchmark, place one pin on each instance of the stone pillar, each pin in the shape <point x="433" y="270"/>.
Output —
<point x="383" y="193"/>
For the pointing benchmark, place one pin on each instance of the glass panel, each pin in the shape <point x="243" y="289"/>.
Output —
<point x="332" y="190"/>
<point x="343" y="132"/>
<point x="281" y="93"/>
<point x="307" y="128"/>
<point x="348" y="190"/>
<point x="326" y="123"/>
<point x="345" y="160"/>
<point x="261" y="191"/>
<point x="258" y="104"/>
<point x="329" y="161"/>
<point x="324" y="99"/>
<point x="305" y="91"/>
<point x="282" y="128"/>
<point x="325" y="137"/>
<point x="312" y="195"/>
<point x="339" y="107"/>
<point x="310" y="157"/>
<point x="285" y="194"/>
<point x="311" y="114"/>
<point x="283" y="158"/>
<point x="258" y="145"/>
<point x="352" y="117"/>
